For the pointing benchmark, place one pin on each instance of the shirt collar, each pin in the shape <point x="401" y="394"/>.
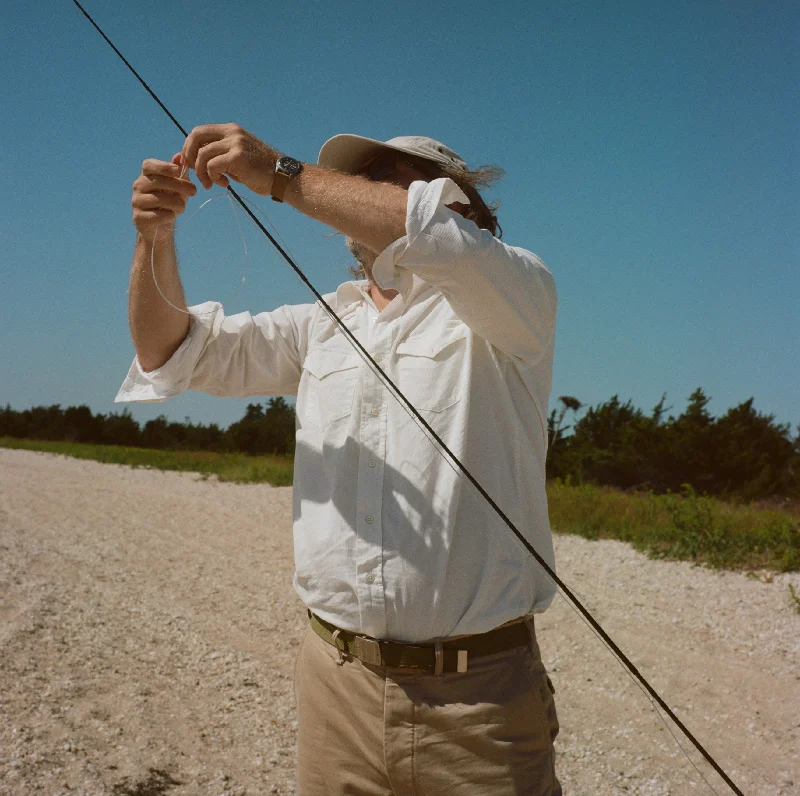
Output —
<point x="350" y="294"/>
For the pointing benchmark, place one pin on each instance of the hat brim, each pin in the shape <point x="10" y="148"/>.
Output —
<point x="349" y="153"/>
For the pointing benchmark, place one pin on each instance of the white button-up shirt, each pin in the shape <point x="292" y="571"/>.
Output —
<point x="390" y="539"/>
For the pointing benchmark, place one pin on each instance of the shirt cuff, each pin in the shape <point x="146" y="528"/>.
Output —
<point x="427" y="203"/>
<point x="175" y="375"/>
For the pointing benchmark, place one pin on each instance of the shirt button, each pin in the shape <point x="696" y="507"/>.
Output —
<point x="370" y="578"/>
<point x="375" y="412"/>
<point x="373" y="463"/>
<point x="370" y="520"/>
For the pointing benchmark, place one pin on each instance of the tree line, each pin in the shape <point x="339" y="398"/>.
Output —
<point x="742" y="454"/>
<point x="263" y="429"/>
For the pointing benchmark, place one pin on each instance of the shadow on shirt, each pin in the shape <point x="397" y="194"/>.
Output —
<point x="384" y="541"/>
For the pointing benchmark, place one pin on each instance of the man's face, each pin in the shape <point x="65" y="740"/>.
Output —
<point x="396" y="168"/>
<point x="392" y="168"/>
<point x="403" y="174"/>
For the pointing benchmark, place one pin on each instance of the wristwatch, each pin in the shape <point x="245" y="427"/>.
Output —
<point x="285" y="169"/>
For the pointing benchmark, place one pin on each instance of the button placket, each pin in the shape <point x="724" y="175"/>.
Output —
<point x="372" y="438"/>
<point x="369" y="555"/>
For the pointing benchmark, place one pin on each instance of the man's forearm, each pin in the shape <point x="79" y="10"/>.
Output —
<point x="157" y="329"/>
<point x="370" y="212"/>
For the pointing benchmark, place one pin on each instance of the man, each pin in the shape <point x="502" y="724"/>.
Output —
<point x="421" y="673"/>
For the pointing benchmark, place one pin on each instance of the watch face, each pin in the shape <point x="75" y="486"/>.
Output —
<point x="289" y="166"/>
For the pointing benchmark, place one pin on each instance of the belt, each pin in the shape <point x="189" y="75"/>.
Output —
<point x="441" y="656"/>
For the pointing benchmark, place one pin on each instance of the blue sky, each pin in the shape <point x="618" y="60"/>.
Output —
<point x="651" y="149"/>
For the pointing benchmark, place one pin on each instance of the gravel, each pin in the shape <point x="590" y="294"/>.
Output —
<point x="149" y="631"/>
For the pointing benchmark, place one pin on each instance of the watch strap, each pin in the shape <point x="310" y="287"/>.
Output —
<point x="279" y="183"/>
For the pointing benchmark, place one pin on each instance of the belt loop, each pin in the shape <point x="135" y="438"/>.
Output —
<point x="439" y="667"/>
<point x="336" y="632"/>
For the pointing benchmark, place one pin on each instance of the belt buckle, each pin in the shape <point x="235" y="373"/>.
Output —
<point x="368" y="650"/>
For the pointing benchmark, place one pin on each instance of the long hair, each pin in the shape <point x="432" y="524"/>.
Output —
<point x="469" y="180"/>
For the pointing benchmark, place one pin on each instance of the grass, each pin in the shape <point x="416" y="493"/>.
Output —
<point x="688" y="527"/>
<point x="685" y="526"/>
<point x="237" y="467"/>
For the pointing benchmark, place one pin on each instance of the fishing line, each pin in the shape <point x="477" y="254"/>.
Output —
<point x="241" y="234"/>
<point x="443" y="447"/>
<point x="175" y="229"/>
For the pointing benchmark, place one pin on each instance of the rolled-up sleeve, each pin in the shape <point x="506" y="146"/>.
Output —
<point x="504" y="293"/>
<point x="234" y="356"/>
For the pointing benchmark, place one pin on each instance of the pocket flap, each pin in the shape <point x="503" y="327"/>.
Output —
<point x="321" y="362"/>
<point x="430" y="346"/>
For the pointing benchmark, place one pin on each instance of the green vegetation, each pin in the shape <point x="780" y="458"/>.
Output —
<point x="742" y="455"/>
<point x="680" y="526"/>
<point x="268" y="429"/>
<point x="719" y="491"/>
<point x="238" y="467"/>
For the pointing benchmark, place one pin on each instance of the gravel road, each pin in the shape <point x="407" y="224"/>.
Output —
<point x="148" y="632"/>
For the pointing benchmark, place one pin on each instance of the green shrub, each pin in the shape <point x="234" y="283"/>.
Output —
<point x="679" y="526"/>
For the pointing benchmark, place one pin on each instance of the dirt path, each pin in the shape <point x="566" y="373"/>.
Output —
<point x="148" y="630"/>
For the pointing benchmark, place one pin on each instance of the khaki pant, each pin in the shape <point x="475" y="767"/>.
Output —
<point x="370" y="731"/>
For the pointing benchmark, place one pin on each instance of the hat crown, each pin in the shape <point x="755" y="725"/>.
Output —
<point x="428" y="148"/>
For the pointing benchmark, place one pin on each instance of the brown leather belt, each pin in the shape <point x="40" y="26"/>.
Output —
<point x="444" y="656"/>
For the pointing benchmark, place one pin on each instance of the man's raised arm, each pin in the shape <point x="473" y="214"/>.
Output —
<point x="159" y="197"/>
<point x="371" y="213"/>
<point x="202" y="349"/>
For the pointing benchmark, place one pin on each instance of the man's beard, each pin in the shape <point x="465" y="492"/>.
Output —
<point x="365" y="257"/>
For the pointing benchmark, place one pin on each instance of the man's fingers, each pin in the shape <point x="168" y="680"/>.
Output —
<point x="204" y="154"/>
<point x="159" y="194"/>
<point x="160" y="200"/>
<point x="159" y="182"/>
<point x="212" y="160"/>
<point x="152" y="167"/>
<point x="199" y="137"/>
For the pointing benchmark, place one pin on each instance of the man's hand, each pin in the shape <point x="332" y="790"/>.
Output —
<point x="371" y="213"/>
<point x="217" y="150"/>
<point x="159" y="196"/>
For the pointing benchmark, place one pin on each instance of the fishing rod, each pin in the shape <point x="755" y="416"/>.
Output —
<point x="573" y="599"/>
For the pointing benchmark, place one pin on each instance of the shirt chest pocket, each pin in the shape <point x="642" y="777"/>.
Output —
<point x="327" y="386"/>
<point x="433" y="369"/>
